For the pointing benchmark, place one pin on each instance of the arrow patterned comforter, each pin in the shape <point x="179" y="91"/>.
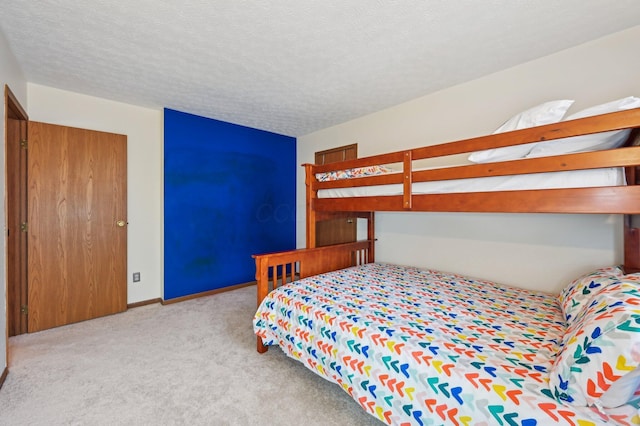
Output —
<point x="420" y="347"/>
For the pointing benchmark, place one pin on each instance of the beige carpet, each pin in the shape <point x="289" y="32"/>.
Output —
<point x="191" y="363"/>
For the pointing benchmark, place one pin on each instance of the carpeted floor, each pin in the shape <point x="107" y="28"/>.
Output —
<point x="192" y="363"/>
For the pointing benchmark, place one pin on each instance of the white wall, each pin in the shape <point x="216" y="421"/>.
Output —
<point x="533" y="251"/>
<point x="144" y="130"/>
<point x="11" y="75"/>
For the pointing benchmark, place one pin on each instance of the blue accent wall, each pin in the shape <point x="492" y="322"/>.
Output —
<point x="229" y="192"/>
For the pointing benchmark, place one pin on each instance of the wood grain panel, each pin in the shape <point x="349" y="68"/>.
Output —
<point x="606" y="200"/>
<point x="16" y="239"/>
<point x="77" y="252"/>
<point x="340" y="153"/>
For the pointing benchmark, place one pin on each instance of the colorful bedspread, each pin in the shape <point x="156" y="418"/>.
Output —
<point x="423" y="347"/>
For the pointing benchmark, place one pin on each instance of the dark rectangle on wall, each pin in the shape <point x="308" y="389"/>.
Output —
<point x="229" y="192"/>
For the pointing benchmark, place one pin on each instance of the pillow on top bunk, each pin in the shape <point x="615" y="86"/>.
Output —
<point x="575" y="296"/>
<point x="600" y="349"/>
<point x="629" y="102"/>
<point x="546" y="113"/>
<point x="594" y="142"/>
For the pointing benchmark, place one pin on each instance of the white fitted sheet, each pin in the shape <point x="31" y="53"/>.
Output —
<point x="568" y="179"/>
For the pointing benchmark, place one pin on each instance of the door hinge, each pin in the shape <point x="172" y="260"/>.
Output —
<point x="24" y="309"/>
<point x="23" y="143"/>
<point x="24" y="227"/>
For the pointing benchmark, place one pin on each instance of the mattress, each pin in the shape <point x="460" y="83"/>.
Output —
<point x="565" y="179"/>
<point x="416" y="346"/>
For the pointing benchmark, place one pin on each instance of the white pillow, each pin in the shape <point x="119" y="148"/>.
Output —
<point x="619" y="105"/>
<point x="621" y="391"/>
<point x="546" y="113"/>
<point x="593" y="142"/>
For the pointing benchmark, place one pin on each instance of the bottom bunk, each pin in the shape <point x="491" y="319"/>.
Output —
<point x="415" y="346"/>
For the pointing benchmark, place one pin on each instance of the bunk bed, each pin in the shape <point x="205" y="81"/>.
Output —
<point x="416" y="346"/>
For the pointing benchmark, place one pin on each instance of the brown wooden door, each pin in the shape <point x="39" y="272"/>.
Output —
<point x="77" y="235"/>
<point x="336" y="231"/>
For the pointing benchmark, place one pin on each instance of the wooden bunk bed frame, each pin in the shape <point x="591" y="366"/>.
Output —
<point x="273" y="269"/>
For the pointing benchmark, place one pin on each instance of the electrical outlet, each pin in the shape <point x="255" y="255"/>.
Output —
<point x="136" y="277"/>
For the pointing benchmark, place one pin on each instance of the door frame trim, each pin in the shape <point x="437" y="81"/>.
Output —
<point x="12" y="104"/>
<point x="13" y="110"/>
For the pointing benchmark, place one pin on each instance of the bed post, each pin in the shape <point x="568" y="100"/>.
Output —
<point x="631" y="230"/>
<point x="262" y="281"/>
<point x="631" y="246"/>
<point x="371" y="235"/>
<point x="311" y="193"/>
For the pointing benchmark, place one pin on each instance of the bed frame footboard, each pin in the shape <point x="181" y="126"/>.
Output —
<point x="276" y="269"/>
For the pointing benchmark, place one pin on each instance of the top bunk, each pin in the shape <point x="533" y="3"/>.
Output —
<point x="555" y="179"/>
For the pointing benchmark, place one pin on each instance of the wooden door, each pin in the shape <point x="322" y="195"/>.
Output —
<point x="77" y="235"/>
<point x="336" y="231"/>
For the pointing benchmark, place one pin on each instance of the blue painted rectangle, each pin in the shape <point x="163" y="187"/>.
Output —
<point x="229" y="192"/>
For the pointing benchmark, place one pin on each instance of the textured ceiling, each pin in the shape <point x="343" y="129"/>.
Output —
<point x="290" y="67"/>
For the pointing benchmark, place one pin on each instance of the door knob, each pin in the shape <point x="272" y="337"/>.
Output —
<point x="121" y="223"/>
